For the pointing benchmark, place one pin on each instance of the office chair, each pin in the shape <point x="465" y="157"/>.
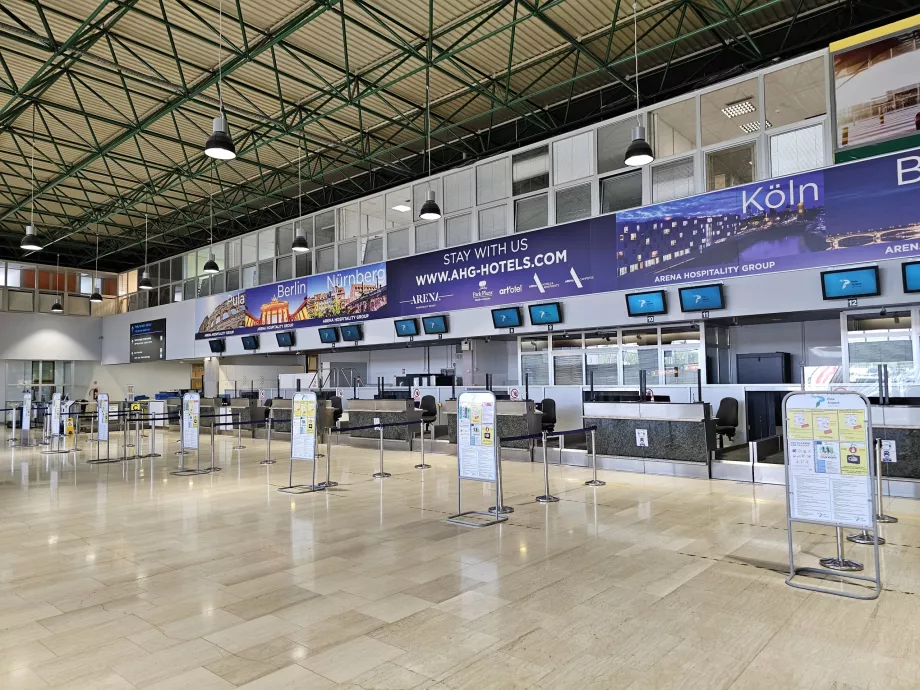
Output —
<point x="726" y="420"/>
<point x="548" y="408"/>
<point x="336" y="403"/>
<point x="429" y="408"/>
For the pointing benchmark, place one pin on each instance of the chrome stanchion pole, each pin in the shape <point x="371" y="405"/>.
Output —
<point x="594" y="481"/>
<point x="380" y="474"/>
<point x="546" y="497"/>
<point x="864" y="537"/>
<point x="500" y="508"/>
<point x="268" y="441"/>
<point x="153" y="438"/>
<point x="326" y="484"/>
<point x="839" y="562"/>
<point x="239" y="432"/>
<point x="421" y="440"/>
<point x="138" y="443"/>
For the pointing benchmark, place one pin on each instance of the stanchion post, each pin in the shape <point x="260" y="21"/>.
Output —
<point x="239" y="431"/>
<point x="839" y="562"/>
<point x="268" y="440"/>
<point x="421" y="440"/>
<point x="882" y="517"/>
<point x="499" y="508"/>
<point x="326" y="484"/>
<point x="546" y="497"/>
<point x="380" y="474"/>
<point x="594" y="481"/>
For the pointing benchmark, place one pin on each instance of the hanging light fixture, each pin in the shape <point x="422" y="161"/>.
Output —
<point x="96" y="297"/>
<point x="299" y="245"/>
<point x="145" y="282"/>
<point x="639" y="152"/>
<point x="430" y="209"/>
<point x="219" y="144"/>
<point x="210" y="266"/>
<point x="30" y="243"/>
<point x="57" y="307"/>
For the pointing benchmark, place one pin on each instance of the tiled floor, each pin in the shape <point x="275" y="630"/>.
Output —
<point x="123" y="576"/>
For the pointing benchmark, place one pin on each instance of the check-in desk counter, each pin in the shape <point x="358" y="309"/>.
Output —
<point x="174" y="410"/>
<point x="677" y="432"/>
<point x="282" y="412"/>
<point x="514" y="418"/>
<point x="364" y="412"/>
<point x="901" y="424"/>
<point x="210" y="407"/>
<point x="244" y="410"/>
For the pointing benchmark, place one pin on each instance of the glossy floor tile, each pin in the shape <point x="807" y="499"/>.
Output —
<point x="124" y="575"/>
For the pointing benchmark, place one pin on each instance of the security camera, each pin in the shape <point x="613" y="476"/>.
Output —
<point x="883" y="312"/>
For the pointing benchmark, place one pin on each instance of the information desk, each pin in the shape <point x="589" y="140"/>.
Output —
<point x="364" y="412"/>
<point x="518" y="418"/>
<point x="682" y="432"/>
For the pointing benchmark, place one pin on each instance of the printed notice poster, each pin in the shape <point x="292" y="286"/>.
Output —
<point x="26" y="411"/>
<point x="303" y="427"/>
<point x="828" y="454"/>
<point x="191" y="412"/>
<point x="889" y="451"/>
<point x="102" y="417"/>
<point x="476" y="442"/>
<point x="56" y="414"/>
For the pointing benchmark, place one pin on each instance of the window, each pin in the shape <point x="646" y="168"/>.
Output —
<point x="636" y="360"/>
<point x="573" y="203"/>
<point x="175" y="269"/>
<point x="250" y="249"/>
<point x="730" y="167"/>
<point x="426" y="237"/>
<point x="325" y="259"/>
<point x="795" y="93"/>
<point x="493" y="222"/>
<point x="534" y="361"/>
<point x="266" y="272"/>
<point x="612" y="142"/>
<point x="567" y="370"/>
<point x="266" y="245"/>
<point x="530" y="213"/>
<point x="190" y="289"/>
<point x="672" y="180"/>
<point x="234" y="255"/>
<point x="284" y="268"/>
<point x="457" y="230"/>
<point x="492" y="181"/>
<point x="177" y="292"/>
<point x="873" y="340"/>
<point x="373" y="250"/>
<point x="21" y="276"/>
<point x="218" y="283"/>
<point x="398" y="243"/>
<point x="399" y="207"/>
<point x="572" y="158"/>
<point x="86" y="283"/>
<point x="730" y="112"/>
<point x="797" y="151"/>
<point x="420" y="193"/>
<point x="458" y="191"/>
<point x="621" y="192"/>
<point x="233" y="279"/>
<point x="165" y="292"/>
<point x="284" y="236"/>
<point x="250" y="276"/>
<point x="530" y="171"/>
<point x="374" y="216"/>
<point x="349" y="222"/>
<point x="672" y="129"/>
<point x="324" y="228"/>
<point x="202" y="260"/>
<point x="348" y="254"/>
<point x="204" y="286"/>
<point x="303" y="265"/>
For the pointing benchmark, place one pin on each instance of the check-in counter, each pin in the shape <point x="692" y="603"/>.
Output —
<point x="364" y="412"/>
<point x="282" y="412"/>
<point x="901" y="424"/>
<point x="681" y="432"/>
<point x="244" y="410"/>
<point x="210" y="408"/>
<point x="514" y="418"/>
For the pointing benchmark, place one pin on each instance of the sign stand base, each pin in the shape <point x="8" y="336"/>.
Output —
<point x="865" y="539"/>
<point x="490" y="519"/>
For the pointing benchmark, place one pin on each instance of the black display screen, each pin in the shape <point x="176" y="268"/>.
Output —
<point x="148" y="341"/>
<point x="285" y="339"/>
<point x="250" y="342"/>
<point x="218" y="345"/>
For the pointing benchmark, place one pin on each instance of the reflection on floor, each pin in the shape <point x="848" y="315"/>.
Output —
<point x="123" y="576"/>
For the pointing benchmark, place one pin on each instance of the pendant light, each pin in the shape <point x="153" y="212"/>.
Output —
<point x="96" y="297"/>
<point x="210" y="266"/>
<point x="57" y="307"/>
<point x="430" y="209"/>
<point x="220" y="145"/>
<point x="30" y="242"/>
<point x="299" y="245"/>
<point x="145" y="282"/>
<point x="639" y="152"/>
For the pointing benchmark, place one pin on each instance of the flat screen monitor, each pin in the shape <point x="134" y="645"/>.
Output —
<point x="352" y="334"/>
<point x="702" y="298"/>
<point x="406" y="328"/>
<point x="148" y="341"/>
<point x="218" y="345"/>
<point x="509" y="317"/>
<point x="850" y="282"/>
<point x="434" y="325"/>
<point x="328" y="335"/>
<point x="545" y="314"/>
<point x="646" y="303"/>
<point x="286" y="339"/>
<point x="250" y="342"/>
<point x="910" y="274"/>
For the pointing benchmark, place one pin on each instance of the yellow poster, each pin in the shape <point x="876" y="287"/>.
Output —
<point x="310" y="407"/>
<point x="854" y="460"/>
<point x="798" y="424"/>
<point x="852" y="425"/>
<point x="824" y="425"/>
<point x="135" y="407"/>
<point x="68" y="429"/>
<point x="487" y="437"/>
<point x="475" y="414"/>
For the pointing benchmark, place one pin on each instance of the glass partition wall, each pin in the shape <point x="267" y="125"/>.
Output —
<point x="42" y="377"/>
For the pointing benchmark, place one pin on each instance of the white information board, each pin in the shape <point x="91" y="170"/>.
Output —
<point x="26" y="411"/>
<point x="477" y="438"/>
<point x="56" y="414"/>
<point x="829" y="463"/>
<point x="303" y="427"/>
<point x="102" y="417"/>
<point x="129" y="396"/>
<point x="191" y="411"/>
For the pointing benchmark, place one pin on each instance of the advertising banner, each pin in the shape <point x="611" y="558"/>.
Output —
<point x="102" y="414"/>
<point x="344" y="296"/>
<point x="56" y="414"/>
<point x="191" y="411"/>
<point x="26" y="411"/>
<point x="303" y="428"/>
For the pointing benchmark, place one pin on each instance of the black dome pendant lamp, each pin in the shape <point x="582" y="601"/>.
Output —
<point x="220" y="145"/>
<point x="639" y="152"/>
<point x="300" y="244"/>
<point x="430" y="209"/>
<point x="145" y="282"/>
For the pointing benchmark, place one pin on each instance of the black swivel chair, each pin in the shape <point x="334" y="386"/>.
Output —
<point x="429" y="408"/>
<point x="726" y="420"/>
<point x="548" y="408"/>
<point x="336" y="403"/>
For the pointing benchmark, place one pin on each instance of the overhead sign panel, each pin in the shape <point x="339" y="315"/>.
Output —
<point x="148" y="341"/>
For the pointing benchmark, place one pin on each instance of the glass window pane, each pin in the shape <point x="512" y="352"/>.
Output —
<point x="530" y="171"/>
<point x="177" y="292"/>
<point x="218" y="283"/>
<point x="797" y="151"/>
<point x="191" y="267"/>
<point x="374" y="216"/>
<point x="621" y="192"/>
<point x="175" y="269"/>
<point x="641" y="337"/>
<point x="572" y="158"/>
<point x="202" y="260"/>
<point x="672" y="129"/>
<point x="636" y="360"/>
<point x="349" y="222"/>
<point x="164" y="272"/>
<point x="250" y="276"/>
<point x="672" y="180"/>
<point x="373" y="249"/>
<point x="680" y="335"/>
<point x="266" y="244"/>
<point x="250" y="249"/>
<point x="458" y="230"/>
<point x="399" y="207"/>
<point x="284" y="268"/>
<point x="303" y="264"/>
<point x="398" y="243"/>
<point x="492" y="181"/>
<point x="191" y="288"/>
<point x="325" y="260"/>
<point x="730" y="112"/>
<point x="284" y="236"/>
<point x="233" y="279"/>
<point x="234" y="253"/>
<point x="458" y="191"/>
<point x="324" y="228"/>
<point x="426" y="237"/>
<point x="874" y="340"/>
<point x="612" y="142"/>
<point x="266" y="272"/>
<point x="567" y="370"/>
<point x="680" y="366"/>
<point x="165" y="292"/>
<point x="493" y="222"/>
<point x="603" y="367"/>
<point x="204" y="286"/>
<point x="530" y="213"/>
<point x="730" y="167"/>
<point x="86" y="283"/>
<point x="573" y="203"/>
<point x="348" y="254"/>
<point x="795" y="93"/>
<point x="132" y="281"/>
<point x="535" y="368"/>
<point x="603" y="339"/>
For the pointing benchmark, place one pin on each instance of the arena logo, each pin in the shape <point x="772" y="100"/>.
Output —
<point x="426" y="298"/>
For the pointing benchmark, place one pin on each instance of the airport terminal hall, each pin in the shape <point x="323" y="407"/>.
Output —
<point x="460" y="345"/>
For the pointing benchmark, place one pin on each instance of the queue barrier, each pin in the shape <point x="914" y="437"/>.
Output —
<point x="547" y="497"/>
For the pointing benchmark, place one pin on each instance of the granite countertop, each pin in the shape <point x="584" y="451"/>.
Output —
<point x="643" y="419"/>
